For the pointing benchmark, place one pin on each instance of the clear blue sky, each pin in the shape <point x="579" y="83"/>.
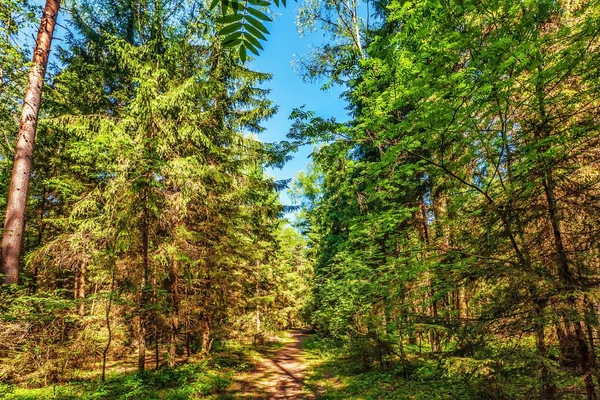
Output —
<point x="288" y="89"/>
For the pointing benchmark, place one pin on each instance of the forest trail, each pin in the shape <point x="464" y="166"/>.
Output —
<point x="279" y="375"/>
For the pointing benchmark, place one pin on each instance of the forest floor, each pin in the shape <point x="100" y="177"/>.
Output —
<point x="275" y="370"/>
<point x="279" y="375"/>
<point x="295" y="365"/>
<point x="333" y="373"/>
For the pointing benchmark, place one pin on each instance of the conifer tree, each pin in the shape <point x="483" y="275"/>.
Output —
<point x="14" y="224"/>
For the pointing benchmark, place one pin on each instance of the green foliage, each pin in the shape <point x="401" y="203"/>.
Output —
<point x="152" y="222"/>
<point x="335" y="376"/>
<point x="452" y="222"/>
<point x="189" y="381"/>
<point x="244" y="27"/>
<point x="446" y="217"/>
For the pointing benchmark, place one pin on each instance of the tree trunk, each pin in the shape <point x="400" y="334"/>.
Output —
<point x="206" y="342"/>
<point x="548" y="387"/>
<point x="188" y="342"/>
<point x="257" y="320"/>
<point x="591" y="319"/>
<point x="144" y="291"/>
<point x="568" y="281"/>
<point x="81" y="290"/>
<point x="141" y="346"/>
<point x="173" y="342"/>
<point x="257" y="306"/>
<point x="12" y="238"/>
<point x="156" y="347"/>
<point x="434" y="339"/>
<point x="173" y="287"/>
<point x="108" y="326"/>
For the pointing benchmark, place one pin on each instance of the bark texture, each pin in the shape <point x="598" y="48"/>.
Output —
<point x="12" y="237"/>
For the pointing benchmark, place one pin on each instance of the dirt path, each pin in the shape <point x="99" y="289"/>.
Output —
<point x="280" y="374"/>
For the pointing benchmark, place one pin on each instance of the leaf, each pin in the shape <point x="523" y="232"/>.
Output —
<point x="234" y="43"/>
<point x="251" y="47"/>
<point x="230" y="28"/>
<point x="243" y="53"/>
<point x="255" y="32"/>
<point x="213" y="4"/>
<point x="230" y="18"/>
<point x="257" y="24"/>
<point x="258" y="14"/>
<point x="228" y="41"/>
<point x="261" y="3"/>
<point x="254" y="41"/>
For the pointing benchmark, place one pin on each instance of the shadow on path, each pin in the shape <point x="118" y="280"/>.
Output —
<point x="280" y="375"/>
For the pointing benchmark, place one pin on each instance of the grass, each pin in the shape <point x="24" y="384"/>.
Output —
<point x="333" y="375"/>
<point x="208" y="378"/>
<point x="498" y="373"/>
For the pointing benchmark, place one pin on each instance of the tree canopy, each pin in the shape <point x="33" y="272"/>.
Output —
<point x="444" y="242"/>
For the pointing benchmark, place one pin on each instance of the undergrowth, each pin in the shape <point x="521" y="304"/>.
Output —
<point x="207" y="378"/>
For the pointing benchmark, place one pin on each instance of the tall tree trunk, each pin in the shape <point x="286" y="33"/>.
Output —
<point x="141" y="345"/>
<point x="187" y="328"/>
<point x="434" y="339"/>
<point x="257" y="320"/>
<point x="173" y="342"/>
<point x="107" y="320"/>
<point x="173" y="288"/>
<point x="585" y="361"/>
<point x="81" y="290"/>
<point x="156" y="346"/>
<point x="188" y="341"/>
<point x="144" y="291"/>
<point x="206" y="342"/>
<point x="548" y="390"/>
<point x="591" y="320"/>
<point x="566" y="275"/>
<point x="12" y="238"/>
<point x="567" y="279"/>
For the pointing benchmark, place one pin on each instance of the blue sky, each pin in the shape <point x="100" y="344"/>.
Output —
<point x="288" y="90"/>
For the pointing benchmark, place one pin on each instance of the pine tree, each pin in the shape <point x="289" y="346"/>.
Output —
<point x="14" y="225"/>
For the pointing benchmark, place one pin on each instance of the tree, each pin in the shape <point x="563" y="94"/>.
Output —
<point x="453" y="186"/>
<point x="245" y="27"/>
<point x="12" y="236"/>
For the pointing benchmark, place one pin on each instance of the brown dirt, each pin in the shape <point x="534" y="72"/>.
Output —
<point x="280" y="374"/>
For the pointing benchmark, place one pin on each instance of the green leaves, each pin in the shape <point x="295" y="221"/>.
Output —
<point x="245" y="26"/>
<point x="256" y="24"/>
<point x="228" y="19"/>
<point x="243" y="53"/>
<point x="231" y="40"/>
<point x="258" y="14"/>
<point x="257" y="34"/>
<point x="230" y="28"/>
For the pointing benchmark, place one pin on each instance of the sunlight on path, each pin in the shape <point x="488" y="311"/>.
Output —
<point x="280" y="375"/>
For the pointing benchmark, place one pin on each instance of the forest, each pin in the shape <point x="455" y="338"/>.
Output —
<point x="443" y="241"/>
